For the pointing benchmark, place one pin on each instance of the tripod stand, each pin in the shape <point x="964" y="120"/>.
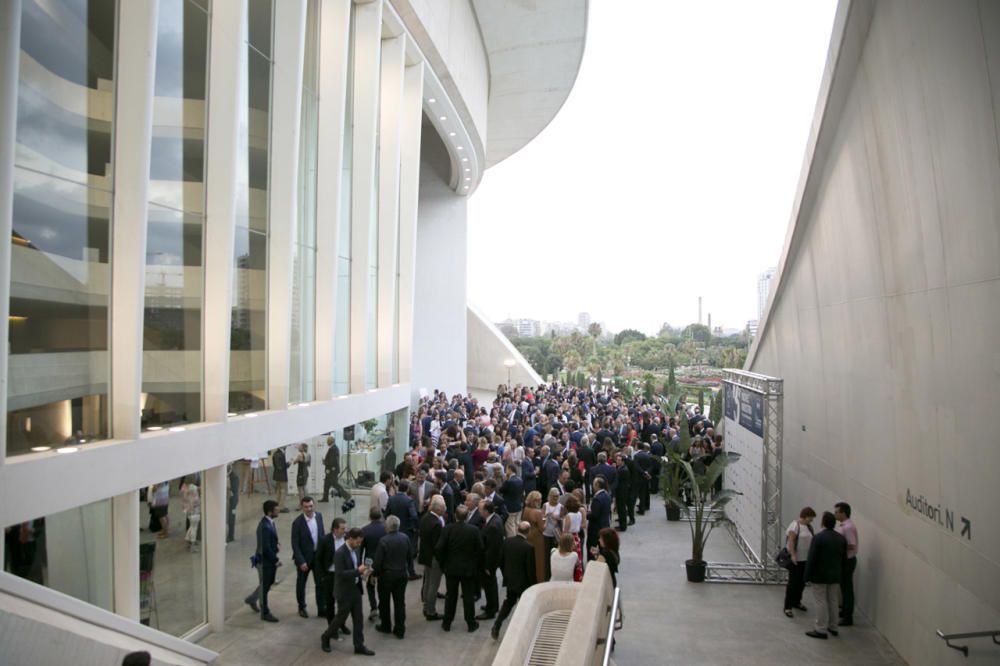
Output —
<point x="346" y="469"/>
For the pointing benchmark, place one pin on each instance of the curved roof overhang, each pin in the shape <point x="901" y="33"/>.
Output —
<point x="534" y="48"/>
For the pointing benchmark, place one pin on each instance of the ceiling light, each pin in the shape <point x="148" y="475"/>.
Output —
<point x="16" y="318"/>
<point x="465" y="159"/>
<point x="467" y="179"/>
<point x="460" y="148"/>
<point x="39" y="449"/>
<point x="451" y="134"/>
<point x="177" y="429"/>
<point x="443" y="118"/>
<point x="83" y="441"/>
<point x="431" y="100"/>
<point x="232" y="414"/>
<point x="467" y="169"/>
<point x="154" y="428"/>
<point x="67" y="449"/>
<point x="251" y="416"/>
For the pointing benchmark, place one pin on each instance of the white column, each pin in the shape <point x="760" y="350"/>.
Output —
<point x="10" y="38"/>
<point x="125" y="536"/>
<point x="367" y="49"/>
<point x="135" y="73"/>
<point x="286" y="117"/>
<point x="213" y="515"/>
<point x="390" y="125"/>
<point x="409" y="195"/>
<point x="334" y="37"/>
<point x="227" y="100"/>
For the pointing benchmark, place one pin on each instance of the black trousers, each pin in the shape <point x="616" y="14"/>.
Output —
<point x="622" y="506"/>
<point x="468" y="585"/>
<point x="392" y="584"/>
<point x="643" y="494"/>
<point x="847" y="589"/>
<point x="372" y="596"/>
<point x="654" y="484"/>
<point x="329" y="601"/>
<point x="300" y="589"/>
<point x="266" y="575"/>
<point x="508" y="605"/>
<point x="796" y="583"/>
<point x="412" y="555"/>
<point x="489" y="583"/>
<point x="352" y="608"/>
<point x="331" y="481"/>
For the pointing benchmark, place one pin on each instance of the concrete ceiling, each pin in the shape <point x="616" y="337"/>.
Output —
<point x="534" y="48"/>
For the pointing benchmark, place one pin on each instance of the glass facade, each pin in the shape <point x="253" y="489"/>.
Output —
<point x="247" y="361"/>
<point x="302" y="382"/>
<point x="342" y="326"/>
<point x="60" y="259"/>
<point x="69" y="551"/>
<point x="171" y="360"/>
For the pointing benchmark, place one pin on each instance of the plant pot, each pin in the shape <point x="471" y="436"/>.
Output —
<point x="695" y="571"/>
<point x="673" y="512"/>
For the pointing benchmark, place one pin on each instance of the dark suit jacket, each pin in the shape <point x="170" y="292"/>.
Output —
<point x="391" y="554"/>
<point x="827" y="556"/>
<point x="460" y="550"/>
<point x="517" y="561"/>
<point x="608" y="472"/>
<point x="550" y="471"/>
<point x="512" y="492"/>
<point x="267" y="542"/>
<point x="372" y="533"/>
<point x="345" y="589"/>
<point x="280" y="465"/>
<point x="448" y="493"/>
<point x="493" y="536"/>
<point x="324" y="555"/>
<point x="600" y="515"/>
<point x="303" y="551"/>
<point x="403" y="507"/>
<point x="476" y="519"/>
<point x="430" y="532"/>
<point x="388" y="461"/>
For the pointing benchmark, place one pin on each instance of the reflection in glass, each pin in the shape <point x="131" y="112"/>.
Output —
<point x="342" y="327"/>
<point x="171" y="564"/>
<point x="171" y="368"/>
<point x="58" y="324"/>
<point x="248" y="324"/>
<point x="69" y="551"/>
<point x="303" y="339"/>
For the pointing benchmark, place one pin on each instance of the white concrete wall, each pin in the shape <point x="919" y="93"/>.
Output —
<point x="885" y="321"/>
<point x="488" y="348"/>
<point x="439" y="304"/>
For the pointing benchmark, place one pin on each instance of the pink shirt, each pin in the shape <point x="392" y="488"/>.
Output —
<point x="850" y="533"/>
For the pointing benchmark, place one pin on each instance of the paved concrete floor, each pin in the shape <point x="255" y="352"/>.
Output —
<point x="667" y="619"/>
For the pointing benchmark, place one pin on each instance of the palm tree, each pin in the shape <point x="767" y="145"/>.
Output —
<point x="617" y="362"/>
<point x="594" y="330"/>
<point x="571" y="361"/>
<point x="593" y="366"/>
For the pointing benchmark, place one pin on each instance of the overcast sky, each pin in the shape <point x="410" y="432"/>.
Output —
<point x="668" y="174"/>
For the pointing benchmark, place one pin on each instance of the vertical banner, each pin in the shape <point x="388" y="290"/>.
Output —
<point x="744" y="427"/>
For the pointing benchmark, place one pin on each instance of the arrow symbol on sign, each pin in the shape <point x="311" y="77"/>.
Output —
<point x="966" y="528"/>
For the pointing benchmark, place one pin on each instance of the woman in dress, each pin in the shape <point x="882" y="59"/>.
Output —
<point x="532" y="514"/>
<point x="564" y="560"/>
<point x="571" y="524"/>
<point x="552" y="512"/>
<point x="607" y="552"/>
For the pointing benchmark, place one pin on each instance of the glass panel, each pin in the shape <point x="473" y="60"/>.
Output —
<point x="66" y="89"/>
<point x="177" y="152"/>
<point x="171" y="564"/>
<point x="171" y="369"/>
<point x="342" y="332"/>
<point x="249" y="325"/>
<point x="69" y="551"/>
<point x="371" y="356"/>
<point x="58" y="325"/>
<point x="260" y="25"/>
<point x="342" y="329"/>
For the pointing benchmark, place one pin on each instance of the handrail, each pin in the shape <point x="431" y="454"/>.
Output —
<point x="609" y="642"/>
<point x="964" y="649"/>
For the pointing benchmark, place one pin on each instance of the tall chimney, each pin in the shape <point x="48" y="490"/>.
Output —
<point x="699" y="309"/>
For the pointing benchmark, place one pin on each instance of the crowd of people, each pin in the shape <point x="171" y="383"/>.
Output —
<point x="526" y="488"/>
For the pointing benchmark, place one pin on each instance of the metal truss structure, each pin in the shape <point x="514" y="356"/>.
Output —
<point x="759" y="568"/>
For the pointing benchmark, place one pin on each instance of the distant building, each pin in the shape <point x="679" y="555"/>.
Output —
<point x="752" y="328"/>
<point x="528" y="328"/>
<point x="764" y="290"/>
<point x="583" y="321"/>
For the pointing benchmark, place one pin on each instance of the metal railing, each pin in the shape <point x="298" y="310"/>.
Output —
<point x="964" y="649"/>
<point x="609" y="642"/>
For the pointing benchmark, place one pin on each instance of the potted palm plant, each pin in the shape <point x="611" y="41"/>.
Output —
<point x="702" y="511"/>
<point x="672" y="474"/>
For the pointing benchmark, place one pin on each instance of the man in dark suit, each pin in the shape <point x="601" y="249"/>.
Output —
<point x="267" y="560"/>
<point x="599" y="515"/>
<point x="528" y="472"/>
<point x="233" y="498"/>
<point x="517" y="561"/>
<point x="656" y="452"/>
<point x="331" y="465"/>
<point x="280" y="464"/>
<point x="431" y="524"/>
<point x="371" y="534"/>
<point x="623" y="493"/>
<point x="447" y="491"/>
<point x="460" y="550"/>
<point x="328" y="546"/>
<point x="307" y="530"/>
<point x="390" y="568"/>
<point x="602" y="468"/>
<point x="492" y="544"/>
<point x="404" y="507"/>
<point x="643" y="473"/>
<point x="824" y="569"/>
<point x="348" y="570"/>
<point x="388" y="457"/>
<point x="550" y="471"/>
<point x="512" y="491"/>
<point x="475" y="518"/>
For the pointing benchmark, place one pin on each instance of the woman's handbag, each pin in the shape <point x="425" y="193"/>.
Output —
<point x="784" y="559"/>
